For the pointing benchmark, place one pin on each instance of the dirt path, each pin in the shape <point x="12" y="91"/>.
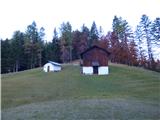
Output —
<point x="100" y="109"/>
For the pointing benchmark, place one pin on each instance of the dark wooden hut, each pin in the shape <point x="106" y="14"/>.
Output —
<point x="95" y="61"/>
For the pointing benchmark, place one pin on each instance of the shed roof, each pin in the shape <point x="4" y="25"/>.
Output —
<point x="54" y="63"/>
<point x="95" y="46"/>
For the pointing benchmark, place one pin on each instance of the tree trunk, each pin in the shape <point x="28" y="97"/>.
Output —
<point x="70" y="48"/>
<point x="40" y="59"/>
<point x="17" y="65"/>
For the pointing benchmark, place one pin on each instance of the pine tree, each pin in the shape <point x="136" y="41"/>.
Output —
<point x="56" y="46"/>
<point x="145" y="26"/>
<point x="124" y="34"/>
<point x="85" y="34"/>
<point x="155" y="31"/>
<point x="40" y="44"/>
<point x="115" y="48"/>
<point x="31" y="38"/>
<point x="17" y="46"/>
<point x="76" y="43"/>
<point x="79" y="43"/>
<point x="33" y="45"/>
<point x="66" y="42"/>
<point x="133" y="53"/>
<point x="104" y="41"/>
<point x="93" y="34"/>
<point x="100" y="32"/>
<point x="140" y="43"/>
<point x="6" y="60"/>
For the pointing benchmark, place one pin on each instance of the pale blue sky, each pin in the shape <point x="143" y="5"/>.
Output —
<point x="17" y="14"/>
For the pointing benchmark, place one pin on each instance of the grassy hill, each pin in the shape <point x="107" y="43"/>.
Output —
<point x="127" y="92"/>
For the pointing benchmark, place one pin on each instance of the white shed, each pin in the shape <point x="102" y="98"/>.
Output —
<point x="52" y="66"/>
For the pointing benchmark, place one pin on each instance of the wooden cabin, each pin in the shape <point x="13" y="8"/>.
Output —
<point x="95" y="61"/>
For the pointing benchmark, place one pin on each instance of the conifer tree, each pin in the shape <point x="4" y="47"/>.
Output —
<point x="93" y="34"/>
<point x="56" y="47"/>
<point x="66" y="42"/>
<point x="17" y="47"/>
<point x="124" y="35"/>
<point x="155" y="31"/>
<point x="145" y="26"/>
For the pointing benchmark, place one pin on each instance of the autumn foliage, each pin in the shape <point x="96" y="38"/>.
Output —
<point x="29" y="50"/>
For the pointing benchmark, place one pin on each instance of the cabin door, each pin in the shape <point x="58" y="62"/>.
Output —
<point x="95" y="69"/>
<point x="48" y="68"/>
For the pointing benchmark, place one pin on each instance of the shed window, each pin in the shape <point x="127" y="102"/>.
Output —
<point x="95" y="63"/>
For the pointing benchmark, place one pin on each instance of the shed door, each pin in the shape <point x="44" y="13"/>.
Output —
<point x="48" y="68"/>
<point x="95" y="69"/>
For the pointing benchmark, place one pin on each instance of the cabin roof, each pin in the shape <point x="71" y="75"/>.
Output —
<point x="54" y="63"/>
<point x="95" y="46"/>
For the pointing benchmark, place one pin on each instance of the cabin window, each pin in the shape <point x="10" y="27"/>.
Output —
<point x="95" y="63"/>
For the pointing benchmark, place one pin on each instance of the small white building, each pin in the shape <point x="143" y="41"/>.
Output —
<point x="52" y="66"/>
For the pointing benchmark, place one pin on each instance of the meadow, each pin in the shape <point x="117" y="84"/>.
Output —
<point x="126" y="93"/>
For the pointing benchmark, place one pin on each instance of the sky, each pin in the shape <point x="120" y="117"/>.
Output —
<point x="18" y="14"/>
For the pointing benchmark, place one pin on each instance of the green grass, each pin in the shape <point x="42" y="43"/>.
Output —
<point x="34" y="86"/>
<point x="126" y="93"/>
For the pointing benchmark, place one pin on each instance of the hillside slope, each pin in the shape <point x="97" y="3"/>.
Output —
<point x="123" y="83"/>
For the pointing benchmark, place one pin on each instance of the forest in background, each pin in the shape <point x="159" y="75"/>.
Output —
<point x="27" y="50"/>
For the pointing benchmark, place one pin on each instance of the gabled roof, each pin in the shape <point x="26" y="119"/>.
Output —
<point x="54" y="63"/>
<point x="95" y="46"/>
